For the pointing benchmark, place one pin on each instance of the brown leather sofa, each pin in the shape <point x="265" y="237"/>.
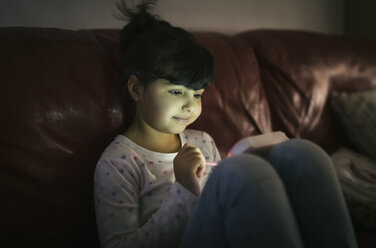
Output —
<point x="61" y="104"/>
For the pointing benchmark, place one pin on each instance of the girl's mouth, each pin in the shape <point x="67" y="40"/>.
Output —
<point x="183" y="120"/>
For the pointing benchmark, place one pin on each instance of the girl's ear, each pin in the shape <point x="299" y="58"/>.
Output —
<point x="135" y="88"/>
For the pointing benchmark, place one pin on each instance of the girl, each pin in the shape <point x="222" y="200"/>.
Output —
<point x="148" y="180"/>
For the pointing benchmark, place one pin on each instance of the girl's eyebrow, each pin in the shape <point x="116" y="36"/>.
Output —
<point x="179" y="86"/>
<point x="174" y="85"/>
<point x="167" y="83"/>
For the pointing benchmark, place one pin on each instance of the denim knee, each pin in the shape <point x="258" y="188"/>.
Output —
<point x="300" y="157"/>
<point x="242" y="172"/>
<point x="246" y="168"/>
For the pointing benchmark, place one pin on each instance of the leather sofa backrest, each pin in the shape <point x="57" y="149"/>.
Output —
<point x="300" y="69"/>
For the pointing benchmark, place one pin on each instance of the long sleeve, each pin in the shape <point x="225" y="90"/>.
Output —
<point x="117" y="192"/>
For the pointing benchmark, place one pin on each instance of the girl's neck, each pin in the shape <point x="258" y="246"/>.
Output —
<point x="153" y="140"/>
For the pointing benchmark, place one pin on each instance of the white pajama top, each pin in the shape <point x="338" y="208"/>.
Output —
<point x="138" y="203"/>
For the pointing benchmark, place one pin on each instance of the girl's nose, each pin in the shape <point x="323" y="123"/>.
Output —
<point x="188" y="105"/>
<point x="186" y="108"/>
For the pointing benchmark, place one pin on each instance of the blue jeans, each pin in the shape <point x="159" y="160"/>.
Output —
<point x="291" y="198"/>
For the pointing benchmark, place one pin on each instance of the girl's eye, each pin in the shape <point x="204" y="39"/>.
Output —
<point x="175" y="92"/>
<point x="196" y="95"/>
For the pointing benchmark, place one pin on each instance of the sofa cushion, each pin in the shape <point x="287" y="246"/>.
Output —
<point x="356" y="113"/>
<point x="60" y="105"/>
<point x="357" y="175"/>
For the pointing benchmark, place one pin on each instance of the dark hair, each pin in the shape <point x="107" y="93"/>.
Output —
<point x="153" y="49"/>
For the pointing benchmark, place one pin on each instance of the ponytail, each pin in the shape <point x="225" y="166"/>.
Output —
<point x="153" y="49"/>
<point x="139" y="19"/>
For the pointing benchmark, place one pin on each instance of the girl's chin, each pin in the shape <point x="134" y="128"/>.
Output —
<point x="177" y="129"/>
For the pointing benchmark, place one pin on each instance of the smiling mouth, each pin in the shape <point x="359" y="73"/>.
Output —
<point x="183" y="120"/>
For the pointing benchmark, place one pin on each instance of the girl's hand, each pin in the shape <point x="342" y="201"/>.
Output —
<point x="189" y="165"/>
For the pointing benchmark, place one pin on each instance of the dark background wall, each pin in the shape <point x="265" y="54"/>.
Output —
<point x="360" y="18"/>
<point x="350" y="17"/>
<point x="227" y="16"/>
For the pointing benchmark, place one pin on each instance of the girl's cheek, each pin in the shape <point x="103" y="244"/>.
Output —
<point x="198" y="110"/>
<point x="199" y="107"/>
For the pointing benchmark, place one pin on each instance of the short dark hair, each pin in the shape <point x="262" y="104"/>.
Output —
<point x="153" y="49"/>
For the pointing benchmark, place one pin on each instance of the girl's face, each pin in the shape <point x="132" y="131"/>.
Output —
<point x="169" y="108"/>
